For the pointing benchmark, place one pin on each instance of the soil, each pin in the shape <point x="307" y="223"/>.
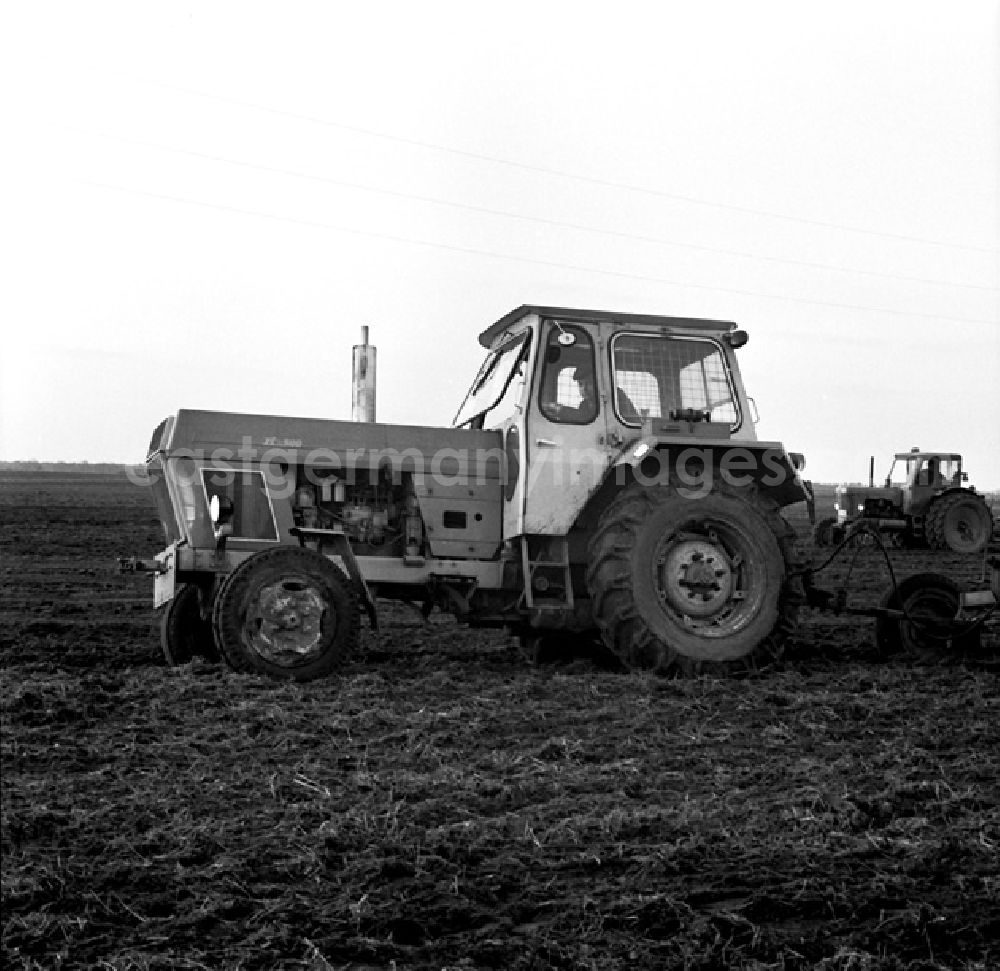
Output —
<point x="443" y="802"/>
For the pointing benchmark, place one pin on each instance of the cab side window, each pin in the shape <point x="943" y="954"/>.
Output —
<point x="568" y="387"/>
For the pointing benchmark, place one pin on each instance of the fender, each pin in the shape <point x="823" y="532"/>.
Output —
<point x="696" y="463"/>
<point x="951" y="490"/>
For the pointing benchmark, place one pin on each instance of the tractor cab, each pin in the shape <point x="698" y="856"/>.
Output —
<point x="921" y="476"/>
<point x="579" y="393"/>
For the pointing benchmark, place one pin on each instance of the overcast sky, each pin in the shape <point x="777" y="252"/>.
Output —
<point x="203" y="203"/>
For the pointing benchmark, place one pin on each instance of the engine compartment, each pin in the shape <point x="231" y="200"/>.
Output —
<point x="380" y="516"/>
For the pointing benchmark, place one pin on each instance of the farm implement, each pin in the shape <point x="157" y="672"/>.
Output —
<point x="921" y="614"/>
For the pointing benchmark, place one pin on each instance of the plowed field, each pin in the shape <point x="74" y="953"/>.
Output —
<point x="444" y="803"/>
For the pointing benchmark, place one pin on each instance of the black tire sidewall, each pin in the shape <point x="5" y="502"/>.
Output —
<point x="890" y="635"/>
<point x="184" y="633"/>
<point x="823" y="533"/>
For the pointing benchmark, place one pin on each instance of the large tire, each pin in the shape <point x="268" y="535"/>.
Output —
<point x="960" y="522"/>
<point x="930" y="602"/>
<point x="287" y="612"/>
<point x="682" y="585"/>
<point x="823" y="531"/>
<point x="184" y="632"/>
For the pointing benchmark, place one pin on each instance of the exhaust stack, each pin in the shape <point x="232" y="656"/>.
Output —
<point x="363" y="380"/>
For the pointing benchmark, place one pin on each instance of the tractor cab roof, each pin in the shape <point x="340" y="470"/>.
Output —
<point x="488" y="336"/>
<point x="950" y="456"/>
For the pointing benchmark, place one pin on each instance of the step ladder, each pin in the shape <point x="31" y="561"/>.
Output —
<point x="545" y="568"/>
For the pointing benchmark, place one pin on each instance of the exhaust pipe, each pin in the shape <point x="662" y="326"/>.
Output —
<point x="871" y="473"/>
<point x="363" y="380"/>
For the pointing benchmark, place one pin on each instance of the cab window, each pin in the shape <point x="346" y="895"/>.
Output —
<point x="937" y="472"/>
<point x="568" y="388"/>
<point x="497" y="390"/>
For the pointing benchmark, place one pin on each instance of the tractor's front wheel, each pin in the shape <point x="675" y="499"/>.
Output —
<point x="288" y="612"/>
<point x="678" y="585"/>
<point x="823" y="531"/>
<point x="184" y="632"/>
<point x="960" y="522"/>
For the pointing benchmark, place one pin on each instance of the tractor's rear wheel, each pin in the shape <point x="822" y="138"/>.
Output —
<point x="929" y="603"/>
<point x="287" y="612"/>
<point x="960" y="522"/>
<point x="680" y="585"/>
<point x="184" y="632"/>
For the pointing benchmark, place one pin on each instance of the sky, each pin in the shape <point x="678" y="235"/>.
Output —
<point x="202" y="203"/>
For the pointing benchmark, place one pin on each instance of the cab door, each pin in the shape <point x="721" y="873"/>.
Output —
<point x="563" y="451"/>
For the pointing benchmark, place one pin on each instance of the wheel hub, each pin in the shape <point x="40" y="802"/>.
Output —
<point x="696" y="577"/>
<point x="286" y="623"/>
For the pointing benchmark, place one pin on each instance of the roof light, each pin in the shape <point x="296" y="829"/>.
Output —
<point x="737" y="338"/>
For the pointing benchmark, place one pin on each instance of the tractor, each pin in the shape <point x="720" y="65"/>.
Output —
<point x="602" y="479"/>
<point x="924" y="502"/>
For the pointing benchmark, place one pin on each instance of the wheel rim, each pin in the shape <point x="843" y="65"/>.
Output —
<point x="964" y="528"/>
<point x="703" y="573"/>
<point x="285" y="621"/>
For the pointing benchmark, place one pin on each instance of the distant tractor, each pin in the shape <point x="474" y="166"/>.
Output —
<point x="928" y="505"/>
<point x="602" y="478"/>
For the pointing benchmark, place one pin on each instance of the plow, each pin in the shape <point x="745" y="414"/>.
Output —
<point x="920" y="614"/>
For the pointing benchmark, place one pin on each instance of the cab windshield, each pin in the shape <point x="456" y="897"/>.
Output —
<point x="922" y="470"/>
<point x="496" y="391"/>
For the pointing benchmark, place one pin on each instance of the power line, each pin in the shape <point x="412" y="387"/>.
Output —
<point x="451" y="247"/>
<point x="545" y="170"/>
<point x="562" y="224"/>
